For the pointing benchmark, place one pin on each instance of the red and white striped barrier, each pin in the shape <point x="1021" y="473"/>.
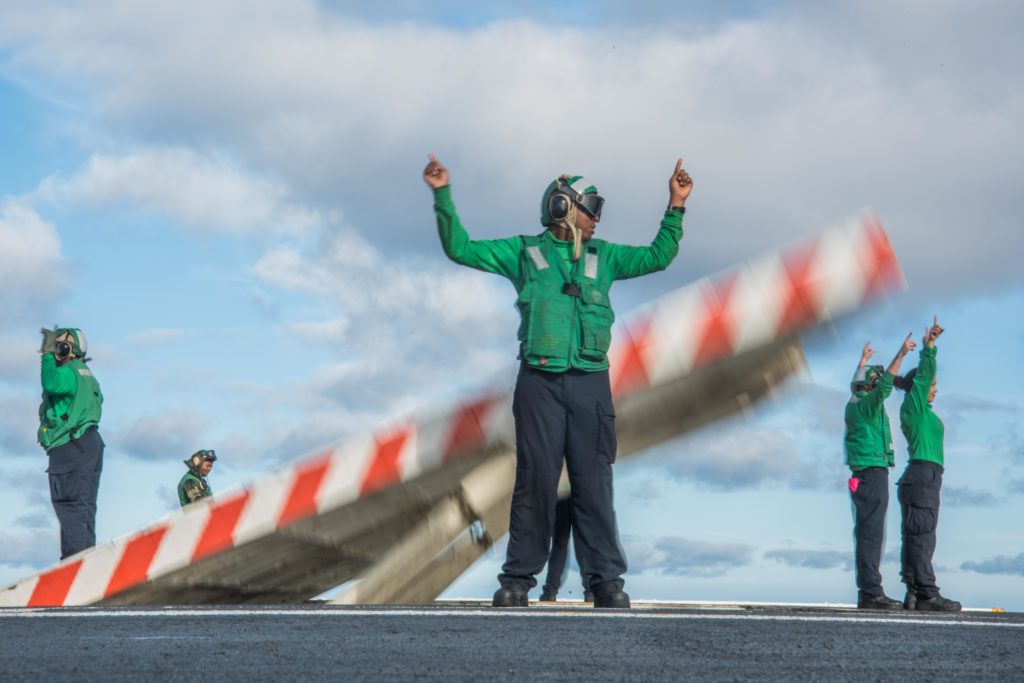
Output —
<point x="711" y="320"/>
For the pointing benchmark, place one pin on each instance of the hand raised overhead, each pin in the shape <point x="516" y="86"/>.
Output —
<point x="679" y="185"/>
<point x="435" y="174"/>
<point x="932" y="333"/>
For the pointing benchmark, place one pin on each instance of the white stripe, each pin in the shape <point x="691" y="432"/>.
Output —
<point x="590" y="267"/>
<point x="538" y="258"/>
<point x="85" y="372"/>
<point x="581" y="185"/>
<point x="538" y="612"/>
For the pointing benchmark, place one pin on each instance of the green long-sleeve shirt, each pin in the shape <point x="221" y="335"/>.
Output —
<point x="868" y="439"/>
<point x="920" y="425"/>
<point x="505" y="257"/>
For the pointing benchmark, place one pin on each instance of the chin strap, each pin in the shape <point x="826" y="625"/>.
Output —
<point x="577" y="237"/>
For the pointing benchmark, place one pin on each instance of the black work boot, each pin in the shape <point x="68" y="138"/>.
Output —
<point x="910" y="600"/>
<point x="937" y="604"/>
<point x="547" y="595"/>
<point x="615" y="599"/>
<point x="588" y="596"/>
<point x="510" y="595"/>
<point x="878" y="602"/>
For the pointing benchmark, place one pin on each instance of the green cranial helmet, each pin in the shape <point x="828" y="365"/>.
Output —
<point x="197" y="458"/>
<point x="566" y="189"/>
<point x="80" y="346"/>
<point x="865" y="378"/>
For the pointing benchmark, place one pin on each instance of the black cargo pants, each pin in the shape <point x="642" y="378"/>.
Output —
<point x="560" y="547"/>
<point x="564" y="415"/>
<point x="918" y="494"/>
<point x="870" y="502"/>
<point x="74" y="474"/>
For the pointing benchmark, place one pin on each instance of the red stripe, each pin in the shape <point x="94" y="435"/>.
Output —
<point x="881" y="268"/>
<point x="134" y="565"/>
<point x="716" y="336"/>
<point x="630" y="372"/>
<point x="467" y="434"/>
<point x="383" y="470"/>
<point x="301" y="500"/>
<point x="220" y="528"/>
<point x="801" y="304"/>
<point x="52" y="587"/>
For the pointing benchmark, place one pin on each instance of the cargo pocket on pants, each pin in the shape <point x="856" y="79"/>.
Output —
<point x="607" y="444"/>
<point x="921" y="520"/>
<point x="64" y="487"/>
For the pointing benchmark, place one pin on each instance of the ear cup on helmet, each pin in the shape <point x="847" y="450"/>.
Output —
<point x="558" y="206"/>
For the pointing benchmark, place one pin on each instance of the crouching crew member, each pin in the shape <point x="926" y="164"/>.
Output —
<point x="919" y="487"/>
<point x="869" y="454"/>
<point x="562" y="402"/>
<point x="69" y="418"/>
<point x="193" y="486"/>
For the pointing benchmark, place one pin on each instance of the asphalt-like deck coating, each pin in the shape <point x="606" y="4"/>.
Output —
<point x="467" y="642"/>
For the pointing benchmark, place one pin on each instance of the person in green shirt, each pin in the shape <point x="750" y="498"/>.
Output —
<point x="69" y="418"/>
<point x="869" y="455"/>
<point x="193" y="486"/>
<point x="562" y="403"/>
<point x="919" y="487"/>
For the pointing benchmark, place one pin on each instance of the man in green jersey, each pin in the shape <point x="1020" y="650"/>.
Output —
<point x="562" y="403"/>
<point x="69" y="418"/>
<point x="919" y="487"/>
<point x="193" y="486"/>
<point x="869" y="455"/>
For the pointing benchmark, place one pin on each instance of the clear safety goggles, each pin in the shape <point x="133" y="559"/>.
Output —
<point x="590" y="203"/>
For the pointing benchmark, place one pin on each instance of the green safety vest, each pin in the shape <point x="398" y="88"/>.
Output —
<point x="565" y="312"/>
<point x="868" y="438"/>
<point x="201" y="489"/>
<point x="64" y="417"/>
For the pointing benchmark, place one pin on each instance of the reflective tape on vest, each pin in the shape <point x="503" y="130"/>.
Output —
<point x="590" y="266"/>
<point x="538" y="258"/>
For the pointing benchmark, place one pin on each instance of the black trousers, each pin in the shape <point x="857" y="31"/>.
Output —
<point x="870" y="503"/>
<point x="918" y="494"/>
<point x="566" y="415"/>
<point x="74" y="474"/>
<point x="560" y="547"/>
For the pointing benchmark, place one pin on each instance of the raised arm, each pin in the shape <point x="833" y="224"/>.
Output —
<point x="631" y="261"/>
<point x="876" y="397"/>
<point x="491" y="256"/>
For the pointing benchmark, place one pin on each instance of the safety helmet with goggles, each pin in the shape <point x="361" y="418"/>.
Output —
<point x="72" y="340"/>
<point x="199" y="456"/>
<point x="565" y="190"/>
<point x="865" y="378"/>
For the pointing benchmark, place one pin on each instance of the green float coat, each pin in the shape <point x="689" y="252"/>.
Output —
<point x="868" y="438"/>
<point x="193" y="487"/>
<point x="921" y="426"/>
<point x="72" y="401"/>
<point x="558" y="331"/>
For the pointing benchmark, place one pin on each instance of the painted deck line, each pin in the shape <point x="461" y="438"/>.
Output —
<point x="70" y="613"/>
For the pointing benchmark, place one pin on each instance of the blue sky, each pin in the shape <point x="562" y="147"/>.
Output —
<point x="227" y="199"/>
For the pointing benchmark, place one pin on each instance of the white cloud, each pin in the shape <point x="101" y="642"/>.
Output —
<point x="31" y="264"/>
<point x="171" y="435"/>
<point x="685" y="557"/>
<point x="203" y="191"/>
<point x="28" y="549"/>
<point x="788" y="120"/>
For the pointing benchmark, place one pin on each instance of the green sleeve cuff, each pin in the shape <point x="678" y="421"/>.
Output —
<point x="929" y="351"/>
<point x="443" y="195"/>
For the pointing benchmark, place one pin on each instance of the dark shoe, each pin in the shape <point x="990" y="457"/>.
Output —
<point x="547" y="596"/>
<point x="615" y="599"/>
<point x="588" y="596"/>
<point x="510" y="596"/>
<point x="937" y="604"/>
<point x="910" y="601"/>
<point x="880" y="602"/>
